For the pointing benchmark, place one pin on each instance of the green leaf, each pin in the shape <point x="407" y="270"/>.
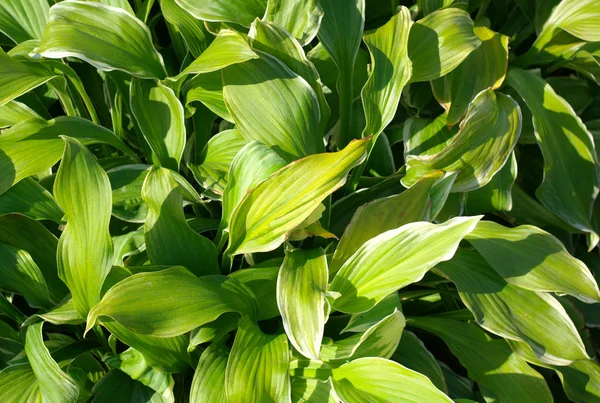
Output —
<point x="380" y="380"/>
<point x="15" y="112"/>
<point x="63" y="314"/>
<point x="34" y="145"/>
<point x="382" y="215"/>
<point x="413" y="354"/>
<point x="208" y="89"/>
<point x="497" y="194"/>
<point x="580" y="380"/>
<point x="140" y="303"/>
<point x="395" y="259"/>
<point x="242" y="12"/>
<point x="19" y="384"/>
<point x="22" y="20"/>
<point x="485" y="67"/>
<point x="309" y="390"/>
<point x="217" y="156"/>
<point x="284" y="112"/>
<point x="490" y="362"/>
<point x="208" y="384"/>
<point x="264" y="162"/>
<point x="109" y="38"/>
<point x="265" y="216"/>
<point x="159" y="115"/>
<point x="228" y="48"/>
<point x="570" y="182"/>
<point x="117" y="385"/>
<point x="390" y="71"/>
<point x="363" y="321"/>
<point x="486" y="139"/>
<point x="55" y="385"/>
<point x="21" y="275"/>
<point x="267" y="378"/>
<point x="85" y="248"/>
<point x="424" y="136"/>
<point x="301" y="287"/>
<point x="531" y="258"/>
<point x="18" y="78"/>
<point x="301" y="19"/>
<point x="30" y="199"/>
<point x="262" y="281"/>
<point x="169" y="239"/>
<point x="196" y="36"/>
<point x="535" y="318"/>
<point x="126" y="182"/>
<point x="440" y="42"/>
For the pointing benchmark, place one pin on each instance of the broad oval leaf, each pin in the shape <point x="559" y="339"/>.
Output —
<point x="301" y="287"/>
<point x="440" y="42"/>
<point x="266" y="215"/>
<point x="395" y="259"/>
<point x="487" y="137"/>
<point x="19" y="384"/>
<point x="301" y="19"/>
<point x="196" y="36"/>
<point x="242" y="12"/>
<point x="531" y="258"/>
<point x="107" y="37"/>
<point x="380" y="380"/>
<point x="267" y="378"/>
<point x="22" y="20"/>
<point x="208" y="384"/>
<point x="141" y="302"/>
<point x="85" y="247"/>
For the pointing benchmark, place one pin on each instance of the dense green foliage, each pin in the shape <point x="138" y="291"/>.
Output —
<point x="255" y="201"/>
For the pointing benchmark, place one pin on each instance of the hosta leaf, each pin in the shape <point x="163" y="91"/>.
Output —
<point x="117" y="385"/>
<point x="159" y="115"/>
<point x="196" y="36"/>
<point x="64" y="314"/>
<point x="301" y="19"/>
<point x="242" y="12"/>
<point x="383" y="215"/>
<point x="531" y="258"/>
<point x="497" y="194"/>
<point x="208" y="89"/>
<point x="490" y="362"/>
<point x="21" y="275"/>
<point x="390" y="71"/>
<point x="126" y="182"/>
<point x="107" y="37"/>
<point x="264" y="162"/>
<point x="262" y="280"/>
<point x="379" y="380"/>
<point x="284" y="112"/>
<point x="22" y="20"/>
<point x="169" y="239"/>
<point x="140" y="303"/>
<point x="485" y="67"/>
<point x="55" y="385"/>
<point x="15" y="112"/>
<point x="301" y="287"/>
<point x="514" y="313"/>
<point x="208" y="384"/>
<point x="266" y="215"/>
<point x="34" y="146"/>
<point x="214" y="330"/>
<point x="440" y="42"/>
<point x="424" y="136"/>
<point x="228" y="48"/>
<point x="363" y="321"/>
<point x="487" y="137"/>
<point x="429" y="6"/>
<point x="395" y="259"/>
<point x="17" y="78"/>
<point x="570" y="182"/>
<point x="308" y="390"/>
<point x="267" y="378"/>
<point x="217" y="156"/>
<point x="85" y="248"/>
<point x="128" y="244"/>
<point x="580" y="380"/>
<point x="30" y="199"/>
<point x="19" y="384"/>
<point x="31" y="236"/>
<point x="413" y="354"/>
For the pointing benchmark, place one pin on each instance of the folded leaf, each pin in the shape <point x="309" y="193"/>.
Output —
<point x="487" y="137"/>
<point x="242" y="12"/>
<point x="208" y="384"/>
<point x="196" y="36"/>
<point x="301" y="287"/>
<point x="308" y="390"/>
<point x="109" y="38"/>
<point x="265" y="216"/>
<point x="390" y="71"/>
<point x="424" y="136"/>
<point x="302" y="19"/>
<point x="395" y="259"/>
<point x="262" y="280"/>
<point x="159" y="115"/>
<point x="141" y="302"/>
<point x="126" y="182"/>
<point x="55" y="385"/>
<point x="570" y="182"/>
<point x="118" y="385"/>
<point x="85" y="248"/>
<point x="208" y="89"/>
<point x="490" y="362"/>
<point x="531" y="258"/>
<point x="22" y="20"/>
<point x="363" y="321"/>
<point x="267" y="378"/>
<point x="15" y="112"/>
<point x="497" y="194"/>
<point x="440" y="42"/>
<point x="515" y="313"/>
<point x="381" y="380"/>
<point x="169" y="239"/>
<point x="18" y="78"/>
<point x="19" y="384"/>
<point x="284" y="112"/>
<point x="30" y="199"/>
